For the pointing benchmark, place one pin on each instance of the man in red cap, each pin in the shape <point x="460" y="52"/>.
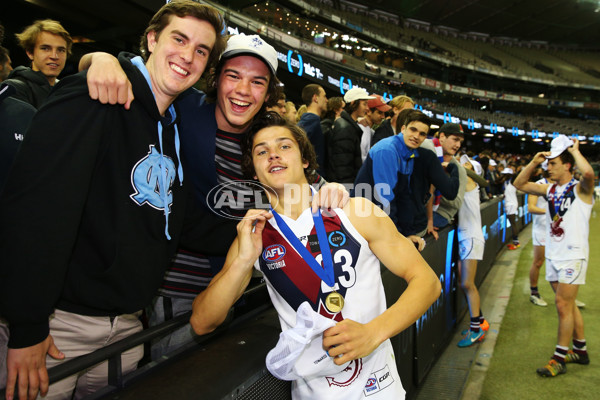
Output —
<point x="373" y="118"/>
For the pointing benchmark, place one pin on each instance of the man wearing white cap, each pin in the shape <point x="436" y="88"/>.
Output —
<point x="570" y="205"/>
<point x="211" y="127"/>
<point x="343" y="146"/>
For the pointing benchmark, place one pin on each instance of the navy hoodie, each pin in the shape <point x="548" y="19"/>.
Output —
<point x="83" y="227"/>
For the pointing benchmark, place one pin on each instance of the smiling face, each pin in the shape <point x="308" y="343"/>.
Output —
<point x="414" y="134"/>
<point x="277" y="159"/>
<point x="450" y="144"/>
<point x="178" y="57"/>
<point x="49" y="55"/>
<point x="241" y="91"/>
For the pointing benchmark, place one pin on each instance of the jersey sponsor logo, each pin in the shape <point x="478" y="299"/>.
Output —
<point x="569" y="272"/>
<point x="276" y="265"/>
<point x="147" y="182"/>
<point x="337" y="239"/>
<point x="378" y="381"/>
<point x="371" y="382"/>
<point x="273" y="253"/>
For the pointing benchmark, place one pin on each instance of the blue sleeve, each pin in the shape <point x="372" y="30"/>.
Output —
<point x="385" y="173"/>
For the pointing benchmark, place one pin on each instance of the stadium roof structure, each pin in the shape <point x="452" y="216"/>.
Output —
<point x="561" y="22"/>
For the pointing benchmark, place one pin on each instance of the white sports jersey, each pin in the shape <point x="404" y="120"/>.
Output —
<point x="539" y="223"/>
<point x="568" y="229"/>
<point x="469" y="217"/>
<point x="511" y="203"/>
<point x="291" y="281"/>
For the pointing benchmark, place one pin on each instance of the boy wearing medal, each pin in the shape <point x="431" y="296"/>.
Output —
<point x="330" y="260"/>
<point x="570" y="205"/>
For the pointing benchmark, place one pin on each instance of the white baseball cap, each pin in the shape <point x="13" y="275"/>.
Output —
<point x="492" y="162"/>
<point x="241" y="44"/>
<point x="299" y="352"/>
<point x="558" y="145"/>
<point x="507" y="171"/>
<point x="476" y="165"/>
<point x="357" y="94"/>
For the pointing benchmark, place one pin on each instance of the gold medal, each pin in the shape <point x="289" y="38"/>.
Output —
<point x="334" y="302"/>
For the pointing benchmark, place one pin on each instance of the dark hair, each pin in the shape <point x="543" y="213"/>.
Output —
<point x="411" y="116"/>
<point x="182" y="9"/>
<point x="212" y="81"/>
<point x="269" y="119"/>
<point x="352" y="106"/>
<point x="567" y="158"/>
<point x="4" y="54"/>
<point x="309" y="91"/>
<point x="273" y="100"/>
<point x="333" y="104"/>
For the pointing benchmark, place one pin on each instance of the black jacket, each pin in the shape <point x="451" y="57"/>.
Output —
<point x="82" y="228"/>
<point x="343" y="150"/>
<point x="15" y="116"/>
<point x="311" y="123"/>
<point x="384" y="130"/>
<point x="32" y="86"/>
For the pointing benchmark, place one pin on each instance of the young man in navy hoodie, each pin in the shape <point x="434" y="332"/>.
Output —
<point x="94" y="207"/>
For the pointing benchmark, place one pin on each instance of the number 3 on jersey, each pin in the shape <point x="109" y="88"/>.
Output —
<point x="348" y="278"/>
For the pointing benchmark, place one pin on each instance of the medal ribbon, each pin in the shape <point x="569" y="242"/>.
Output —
<point x="324" y="272"/>
<point x="552" y="196"/>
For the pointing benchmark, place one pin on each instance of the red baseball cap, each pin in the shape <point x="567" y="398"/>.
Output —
<point x="378" y="103"/>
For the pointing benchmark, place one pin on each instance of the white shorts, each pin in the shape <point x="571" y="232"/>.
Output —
<point x="539" y="237"/>
<point x="511" y="208"/>
<point x="566" y="271"/>
<point x="471" y="249"/>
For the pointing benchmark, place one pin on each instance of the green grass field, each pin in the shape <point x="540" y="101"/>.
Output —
<point x="528" y="335"/>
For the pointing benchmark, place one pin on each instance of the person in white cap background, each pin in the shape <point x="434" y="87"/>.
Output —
<point x="212" y="127"/>
<point x="511" y="204"/>
<point x="337" y="274"/>
<point x="471" y="245"/>
<point x="570" y="205"/>
<point x="343" y="145"/>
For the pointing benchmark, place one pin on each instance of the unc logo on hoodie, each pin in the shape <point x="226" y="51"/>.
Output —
<point x="147" y="182"/>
